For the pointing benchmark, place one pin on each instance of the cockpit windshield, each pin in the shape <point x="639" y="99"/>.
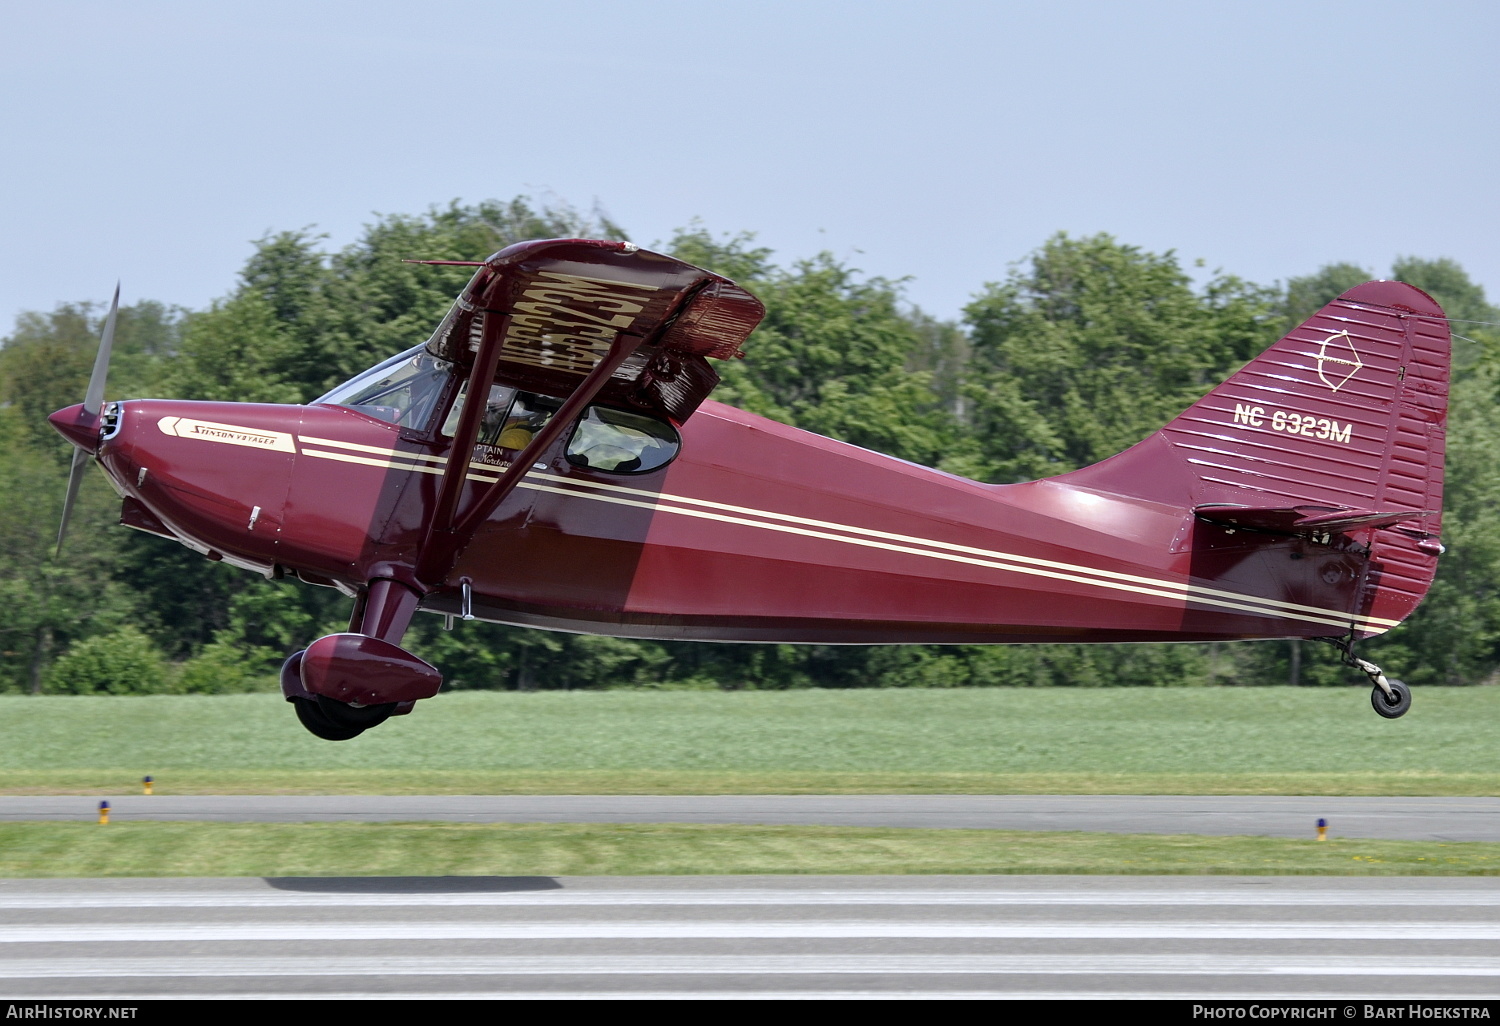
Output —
<point x="402" y="390"/>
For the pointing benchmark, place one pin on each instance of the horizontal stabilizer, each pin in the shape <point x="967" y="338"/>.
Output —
<point x="1305" y="519"/>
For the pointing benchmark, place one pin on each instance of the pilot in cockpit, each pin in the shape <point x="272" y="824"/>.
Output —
<point x="512" y="419"/>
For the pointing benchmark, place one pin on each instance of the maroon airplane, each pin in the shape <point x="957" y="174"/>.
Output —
<point x="548" y="458"/>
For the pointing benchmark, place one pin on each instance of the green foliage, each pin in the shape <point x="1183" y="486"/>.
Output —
<point x="734" y="256"/>
<point x="47" y="603"/>
<point x="831" y="357"/>
<point x="182" y="599"/>
<point x="44" y="367"/>
<point x="124" y="662"/>
<point x="46" y="361"/>
<point x="239" y="351"/>
<point x="943" y="353"/>
<point x="303" y="320"/>
<point x="834" y="352"/>
<point x="222" y="668"/>
<point x="1309" y="293"/>
<point x="1448" y="283"/>
<point x="1091" y="346"/>
<point x="275" y="618"/>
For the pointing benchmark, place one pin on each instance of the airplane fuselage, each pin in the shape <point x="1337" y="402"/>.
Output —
<point x="755" y="532"/>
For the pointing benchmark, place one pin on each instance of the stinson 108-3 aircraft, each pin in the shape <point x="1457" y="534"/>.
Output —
<point x="550" y="458"/>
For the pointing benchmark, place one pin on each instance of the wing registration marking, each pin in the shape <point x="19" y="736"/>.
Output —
<point x="568" y="322"/>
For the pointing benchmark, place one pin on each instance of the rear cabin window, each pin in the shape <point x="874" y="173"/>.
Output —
<point x="621" y="443"/>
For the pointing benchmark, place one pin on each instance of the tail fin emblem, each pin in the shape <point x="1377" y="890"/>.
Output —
<point x="1335" y="353"/>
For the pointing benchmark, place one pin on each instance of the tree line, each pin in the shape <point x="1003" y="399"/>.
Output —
<point x="1086" y="346"/>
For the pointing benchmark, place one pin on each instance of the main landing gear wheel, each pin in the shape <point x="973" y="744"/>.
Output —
<point x="318" y="724"/>
<point x="352" y="717"/>
<point x="1396" y="703"/>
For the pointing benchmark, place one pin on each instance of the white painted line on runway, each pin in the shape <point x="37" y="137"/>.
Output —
<point x="1238" y="938"/>
<point x="160" y="933"/>
<point x="767" y="995"/>
<point x="807" y="964"/>
<point x="573" y="899"/>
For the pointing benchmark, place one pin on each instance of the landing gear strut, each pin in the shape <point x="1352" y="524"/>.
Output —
<point x="343" y="684"/>
<point x="1390" y="697"/>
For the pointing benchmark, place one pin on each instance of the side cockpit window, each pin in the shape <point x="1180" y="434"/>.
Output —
<point x="621" y="442"/>
<point x="511" y="418"/>
<point x="402" y="390"/>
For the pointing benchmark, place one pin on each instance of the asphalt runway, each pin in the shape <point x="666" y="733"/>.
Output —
<point x="1429" y="819"/>
<point x="1195" y="938"/>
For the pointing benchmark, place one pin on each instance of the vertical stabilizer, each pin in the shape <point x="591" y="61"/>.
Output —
<point x="1345" y="418"/>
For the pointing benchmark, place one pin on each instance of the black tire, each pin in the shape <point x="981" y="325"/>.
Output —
<point x="342" y="714"/>
<point x="321" y="726"/>
<point x="1385" y="706"/>
<point x="291" y="674"/>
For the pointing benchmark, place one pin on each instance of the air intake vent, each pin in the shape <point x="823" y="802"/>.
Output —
<point x="112" y="417"/>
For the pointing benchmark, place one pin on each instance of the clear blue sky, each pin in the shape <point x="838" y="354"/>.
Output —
<point x="151" y="141"/>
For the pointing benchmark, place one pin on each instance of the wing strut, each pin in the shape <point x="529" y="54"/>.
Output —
<point x="477" y="394"/>
<point x="449" y="532"/>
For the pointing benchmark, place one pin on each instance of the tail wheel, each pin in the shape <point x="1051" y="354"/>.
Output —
<point x="1396" y="703"/>
<point x="319" y="725"/>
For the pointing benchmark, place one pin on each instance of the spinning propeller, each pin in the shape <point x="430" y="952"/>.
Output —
<point x="80" y="424"/>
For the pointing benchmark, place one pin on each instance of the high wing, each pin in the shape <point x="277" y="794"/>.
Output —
<point x="581" y="320"/>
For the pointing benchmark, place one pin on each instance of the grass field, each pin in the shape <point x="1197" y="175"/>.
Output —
<point x="1053" y="740"/>
<point x="550" y="849"/>
<point x="1156" y="741"/>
